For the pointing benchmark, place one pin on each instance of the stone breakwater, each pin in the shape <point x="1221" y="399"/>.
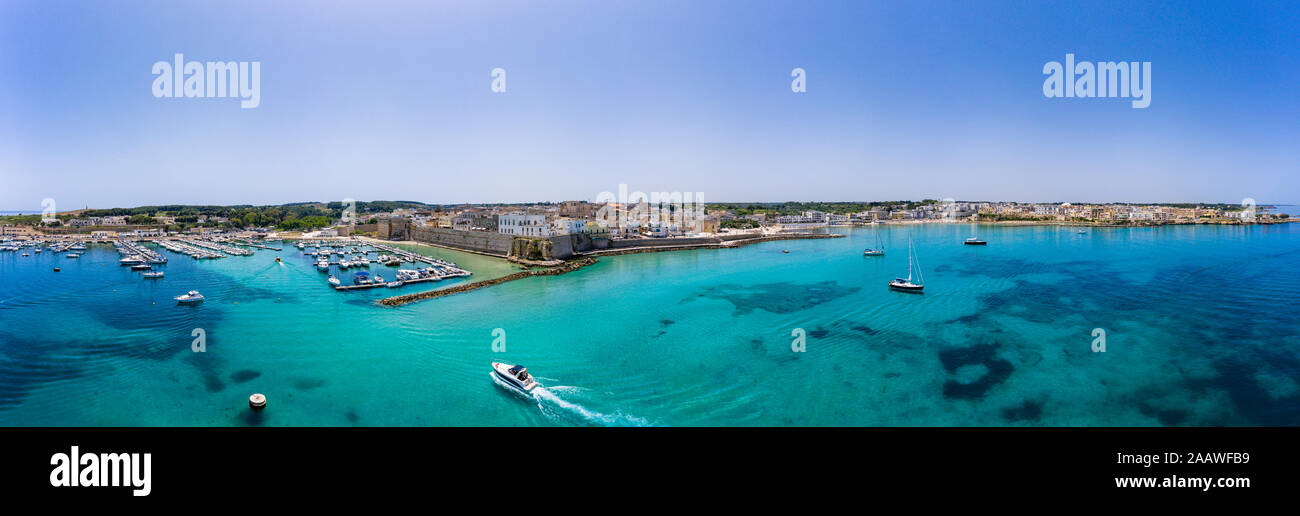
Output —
<point x="568" y="266"/>
<point x="712" y="245"/>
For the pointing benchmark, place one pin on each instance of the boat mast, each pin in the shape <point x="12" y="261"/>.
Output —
<point x="909" y="258"/>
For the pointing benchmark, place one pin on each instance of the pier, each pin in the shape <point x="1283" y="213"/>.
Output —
<point x="219" y="247"/>
<point x="569" y="266"/>
<point x="180" y="247"/>
<point x="246" y="243"/>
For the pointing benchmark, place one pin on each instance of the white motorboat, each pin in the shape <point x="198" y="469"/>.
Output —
<point x="516" y="376"/>
<point x="192" y="297"/>
<point x="335" y="281"/>
<point x="153" y="274"/>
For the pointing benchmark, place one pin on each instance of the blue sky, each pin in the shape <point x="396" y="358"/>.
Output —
<point x="905" y="100"/>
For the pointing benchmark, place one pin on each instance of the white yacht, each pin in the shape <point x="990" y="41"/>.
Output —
<point x="192" y="297"/>
<point x="516" y="376"/>
<point x="908" y="284"/>
<point x="322" y="265"/>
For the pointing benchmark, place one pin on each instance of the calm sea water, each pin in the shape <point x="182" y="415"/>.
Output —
<point x="1200" y="324"/>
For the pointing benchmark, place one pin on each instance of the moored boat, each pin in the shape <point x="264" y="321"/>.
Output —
<point x="908" y="284"/>
<point x="190" y="298"/>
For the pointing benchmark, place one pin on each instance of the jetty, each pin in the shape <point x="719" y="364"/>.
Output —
<point x="246" y="243"/>
<point x="568" y="266"/>
<point x="180" y="247"/>
<point x="218" y="247"/>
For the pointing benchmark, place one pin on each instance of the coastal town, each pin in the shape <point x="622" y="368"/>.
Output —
<point x="614" y="220"/>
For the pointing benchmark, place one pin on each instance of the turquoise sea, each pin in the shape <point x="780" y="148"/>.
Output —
<point x="1200" y="325"/>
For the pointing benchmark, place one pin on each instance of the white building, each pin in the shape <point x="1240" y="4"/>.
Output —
<point x="524" y="225"/>
<point x="567" y="226"/>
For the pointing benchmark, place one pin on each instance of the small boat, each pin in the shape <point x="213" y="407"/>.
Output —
<point x="515" y="376"/>
<point x="74" y="255"/>
<point x="25" y="254"/>
<point x="361" y="278"/>
<point x="277" y="259"/>
<point x="141" y="267"/>
<point x="906" y="284"/>
<point x="786" y="251"/>
<point x="378" y="279"/>
<point x="975" y="241"/>
<point x="190" y="298"/>
<point x="323" y="266"/>
<point x="153" y="274"/>
<point x="56" y="269"/>
<point x="1081" y="232"/>
<point x="335" y="281"/>
<point x="394" y="284"/>
<point x="131" y="260"/>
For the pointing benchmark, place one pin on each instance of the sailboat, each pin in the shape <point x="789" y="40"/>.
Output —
<point x="913" y="267"/>
<point x="879" y="250"/>
<point x="973" y="240"/>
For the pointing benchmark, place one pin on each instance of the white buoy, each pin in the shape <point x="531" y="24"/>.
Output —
<point x="257" y="401"/>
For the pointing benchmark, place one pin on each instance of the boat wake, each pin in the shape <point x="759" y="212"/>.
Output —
<point x="560" y="409"/>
